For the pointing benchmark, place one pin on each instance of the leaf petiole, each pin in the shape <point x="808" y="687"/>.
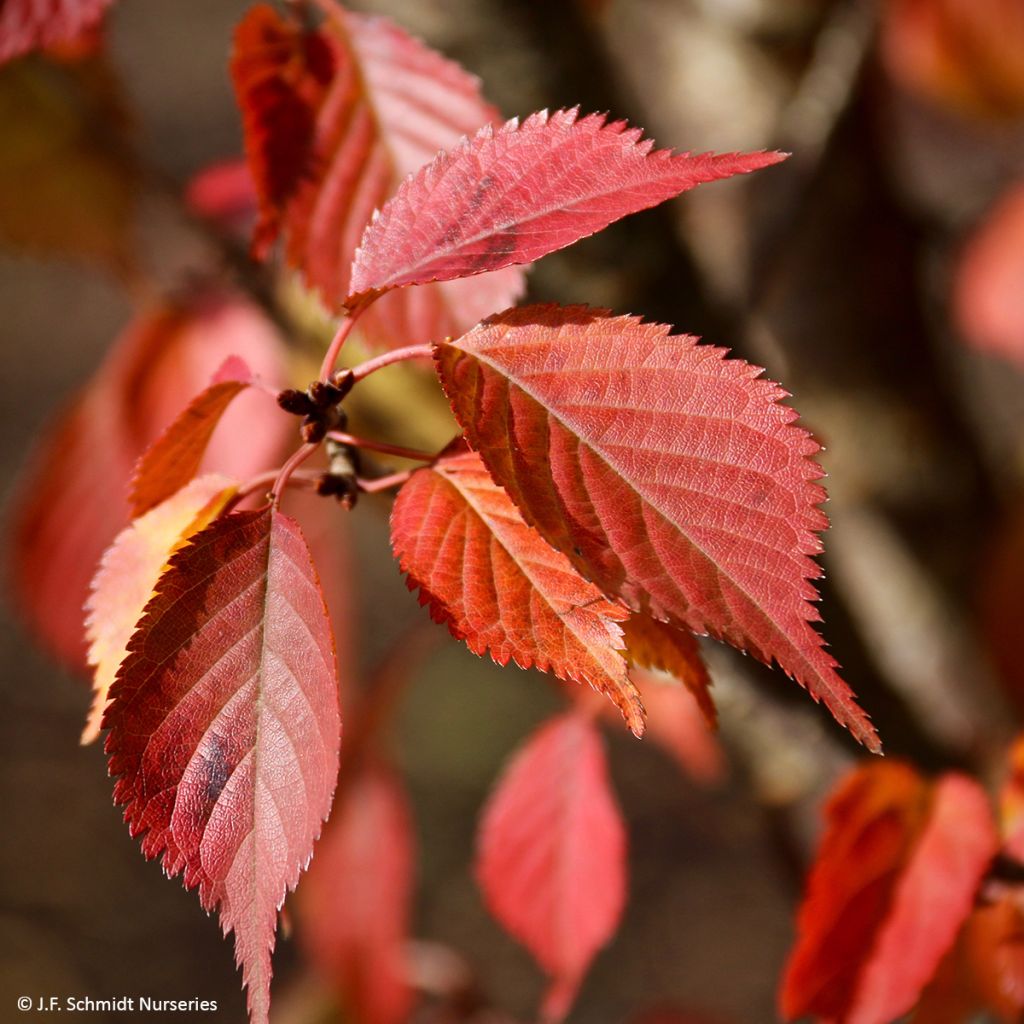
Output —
<point x="397" y="355"/>
<point x="381" y="446"/>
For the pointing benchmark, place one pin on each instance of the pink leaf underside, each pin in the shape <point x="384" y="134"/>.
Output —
<point x="128" y="574"/>
<point x="173" y="459"/>
<point x="669" y="475"/>
<point x="354" y="902"/>
<point x="932" y="900"/>
<point x="388" y="104"/>
<point x="224" y="726"/>
<point x="73" y="498"/>
<point x="513" y="194"/>
<point x="501" y="587"/>
<point x="34" y="24"/>
<point x="551" y="856"/>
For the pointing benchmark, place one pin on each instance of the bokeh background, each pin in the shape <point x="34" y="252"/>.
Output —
<point x="879" y="274"/>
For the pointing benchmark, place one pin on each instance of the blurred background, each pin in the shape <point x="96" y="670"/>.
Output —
<point x="879" y="274"/>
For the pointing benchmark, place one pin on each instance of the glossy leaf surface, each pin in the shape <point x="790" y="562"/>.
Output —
<point x="501" y="587"/>
<point x="551" y="854"/>
<point x="513" y="194"/>
<point x="224" y="726"/>
<point x="669" y="475"/>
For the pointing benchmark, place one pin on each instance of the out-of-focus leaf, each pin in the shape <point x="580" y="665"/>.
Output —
<point x="511" y="195"/>
<point x="67" y="179"/>
<point x="669" y="475"/>
<point x="501" y="587"/>
<point x="551" y="855"/>
<point x="335" y="118"/>
<point x="354" y="903"/>
<point x="73" y="498"/>
<point x="129" y="572"/>
<point x="893" y="882"/>
<point x="989" y="292"/>
<point x="36" y="24"/>
<point x="224" y="726"/>
<point x="963" y="54"/>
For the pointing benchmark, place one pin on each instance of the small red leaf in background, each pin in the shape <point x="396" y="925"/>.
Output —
<point x="128" y="575"/>
<point x="511" y="195"/>
<point x="551" y="854"/>
<point x="34" y="24"/>
<point x="501" y="587"/>
<point x="68" y="176"/>
<point x="677" y="723"/>
<point x="224" y="726"/>
<point x="893" y="881"/>
<point x="989" y="292"/>
<point x="174" y="457"/>
<point x="73" y="498"/>
<point x="654" y="644"/>
<point x="335" y="119"/>
<point x="224" y="193"/>
<point x="354" y="904"/>
<point x="669" y="475"/>
<point x="963" y="55"/>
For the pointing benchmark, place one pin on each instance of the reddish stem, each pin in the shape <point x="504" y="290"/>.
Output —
<point x="381" y="446"/>
<point x="383" y="483"/>
<point x="397" y="356"/>
<point x="264" y="481"/>
<point x="296" y="459"/>
<point x="343" y="331"/>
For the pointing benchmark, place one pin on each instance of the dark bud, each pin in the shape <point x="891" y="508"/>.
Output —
<point x="313" y="429"/>
<point x="296" y="402"/>
<point x="324" y="394"/>
<point x="344" y="488"/>
<point x="343" y="381"/>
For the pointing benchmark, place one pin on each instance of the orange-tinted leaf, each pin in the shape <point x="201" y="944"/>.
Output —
<point x="67" y="179"/>
<point x="501" y="587"/>
<point x="354" y="903"/>
<point x="32" y="24"/>
<point x="73" y="499"/>
<point x="654" y="644"/>
<point x="963" y="55"/>
<point x="551" y="854"/>
<point x="224" y="726"/>
<point x="994" y="951"/>
<point x="894" y="879"/>
<point x="335" y="119"/>
<point x="174" y="457"/>
<point x="128" y="575"/>
<point x="511" y="195"/>
<point x="989" y="296"/>
<point x="670" y="476"/>
<point x="1011" y="802"/>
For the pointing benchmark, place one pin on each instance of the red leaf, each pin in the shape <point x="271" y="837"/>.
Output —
<point x="354" y="903"/>
<point x="677" y="724"/>
<point x="654" y="644"/>
<point x="33" y="24"/>
<point x="551" y="857"/>
<point x="501" y="587"/>
<point x="669" y="475"/>
<point x="174" y="457"/>
<point x="989" y="298"/>
<point x="335" y="119"/>
<point x="513" y="195"/>
<point x="73" y="498"/>
<point x="225" y="728"/>
<point x="893" y="881"/>
<point x="128" y="575"/>
<point x="224" y="193"/>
